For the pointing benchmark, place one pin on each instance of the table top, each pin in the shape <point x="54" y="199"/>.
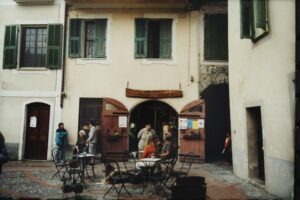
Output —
<point x="85" y="155"/>
<point x="150" y="159"/>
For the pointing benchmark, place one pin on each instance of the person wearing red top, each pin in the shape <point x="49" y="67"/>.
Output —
<point x="149" y="149"/>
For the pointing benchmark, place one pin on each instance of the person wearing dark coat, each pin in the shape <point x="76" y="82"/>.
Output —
<point x="3" y="152"/>
<point x="61" y="142"/>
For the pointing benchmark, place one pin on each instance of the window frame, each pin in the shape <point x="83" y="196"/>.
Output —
<point x="53" y="48"/>
<point x="81" y="59"/>
<point x="22" y="45"/>
<point x="256" y="31"/>
<point x="145" y="22"/>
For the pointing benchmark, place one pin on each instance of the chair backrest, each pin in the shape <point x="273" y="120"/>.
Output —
<point x="169" y="165"/>
<point x="54" y="152"/>
<point x="187" y="159"/>
<point x="113" y="172"/>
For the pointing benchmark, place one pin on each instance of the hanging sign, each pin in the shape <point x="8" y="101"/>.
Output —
<point x="122" y="121"/>
<point x="201" y="123"/>
<point x="32" y="122"/>
<point x="183" y="123"/>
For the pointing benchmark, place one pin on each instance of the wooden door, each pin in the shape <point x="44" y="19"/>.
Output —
<point x="191" y="128"/>
<point x="114" y="131"/>
<point x="37" y="131"/>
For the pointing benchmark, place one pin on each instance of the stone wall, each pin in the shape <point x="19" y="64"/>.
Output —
<point x="212" y="74"/>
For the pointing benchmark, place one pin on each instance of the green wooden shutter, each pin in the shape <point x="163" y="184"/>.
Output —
<point x="246" y="18"/>
<point x="75" y="38"/>
<point x="165" y="38"/>
<point x="141" y="38"/>
<point x="54" y="47"/>
<point x="260" y="16"/>
<point x="101" y="25"/>
<point x="10" y="47"/>
<point x="215" y="37"/>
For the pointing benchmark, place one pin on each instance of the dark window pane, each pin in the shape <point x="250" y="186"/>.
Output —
<point x="153" y="38"/>
<point x="215" y="37"/>
<point x="34" y="47"/>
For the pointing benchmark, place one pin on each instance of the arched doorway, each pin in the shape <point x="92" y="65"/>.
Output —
<point x="157" y="113"/>
<point x="37" y="131"/>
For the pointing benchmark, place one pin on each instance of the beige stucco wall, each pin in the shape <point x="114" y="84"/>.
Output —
<point x="110" y="78"/>
<point x="262" y="74"/>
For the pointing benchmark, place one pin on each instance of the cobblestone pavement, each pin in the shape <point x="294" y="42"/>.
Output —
<point x="32" y="180"/>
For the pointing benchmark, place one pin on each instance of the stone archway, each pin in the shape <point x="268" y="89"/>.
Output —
<point x="157" y="113"/>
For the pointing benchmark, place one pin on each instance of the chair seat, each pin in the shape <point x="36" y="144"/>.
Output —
<point x="123" y="178"/>
<point x="178" y="173"/>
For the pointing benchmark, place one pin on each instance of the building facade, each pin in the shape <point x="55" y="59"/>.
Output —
<point x="262" y="93"/>
<point x="120" y="64"/>
<point x="142" y="62"/>
<point x="30" y="75"/>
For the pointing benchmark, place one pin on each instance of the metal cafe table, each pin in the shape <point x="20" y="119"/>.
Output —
<point x="85" y="161"/>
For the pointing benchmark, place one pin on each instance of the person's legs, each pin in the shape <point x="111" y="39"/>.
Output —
<point x="92" y="150"/>
<point x="59" y="154"/>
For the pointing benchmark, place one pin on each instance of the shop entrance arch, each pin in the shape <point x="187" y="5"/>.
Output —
<point x="158" y="114"/>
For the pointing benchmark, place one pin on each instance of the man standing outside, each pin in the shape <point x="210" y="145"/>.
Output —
<point x="61" y="141"/>
<point x="92" y="139"/>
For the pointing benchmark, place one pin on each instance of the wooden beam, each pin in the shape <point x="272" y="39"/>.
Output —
<point x="154" y="94"/>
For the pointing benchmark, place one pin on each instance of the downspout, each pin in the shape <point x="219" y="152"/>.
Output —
<point x="63" y="94"/>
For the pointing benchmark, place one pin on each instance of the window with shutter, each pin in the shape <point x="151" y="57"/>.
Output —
<point x="92" y="34"/>
<point x="215" y="37"/>
<point x="153" y="38"/>
<point x="165" y="38"/>
<point x="10" y="47"/>
<point x="54" y="52"/>
<point x="141" y="38"/>
<point x="41" y="46"/>
<point x="254" y="19"/>
<point x="101" y="38"/>
<point x="75" y="38"/>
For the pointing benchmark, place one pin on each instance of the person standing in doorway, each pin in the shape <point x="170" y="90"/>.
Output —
<point x="92" y="138"/>
<point x="143" y="135"/>
<point x="61" y="142"/>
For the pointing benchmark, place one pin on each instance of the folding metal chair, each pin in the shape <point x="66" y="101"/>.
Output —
<point x="161" y="179"/>
<point x="73" y="179"/>
<point x="186" y="161"/>
<point x="59" y="166"/>
<point x="115" y="177"/>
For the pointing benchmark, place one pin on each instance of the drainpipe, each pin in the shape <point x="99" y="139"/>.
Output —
<point x="63" y="94"/>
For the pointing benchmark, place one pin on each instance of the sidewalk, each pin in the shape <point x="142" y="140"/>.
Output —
<point x="29" y="179"/>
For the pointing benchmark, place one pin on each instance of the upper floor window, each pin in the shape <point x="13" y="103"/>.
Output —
<point x="215" y="37"/>
<point x="153" y="38"/>
<point x="34" y="47"/>
<point x="254" y="19"/>
<point x="87" y="38"/>
<point x="41" y="46"/>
